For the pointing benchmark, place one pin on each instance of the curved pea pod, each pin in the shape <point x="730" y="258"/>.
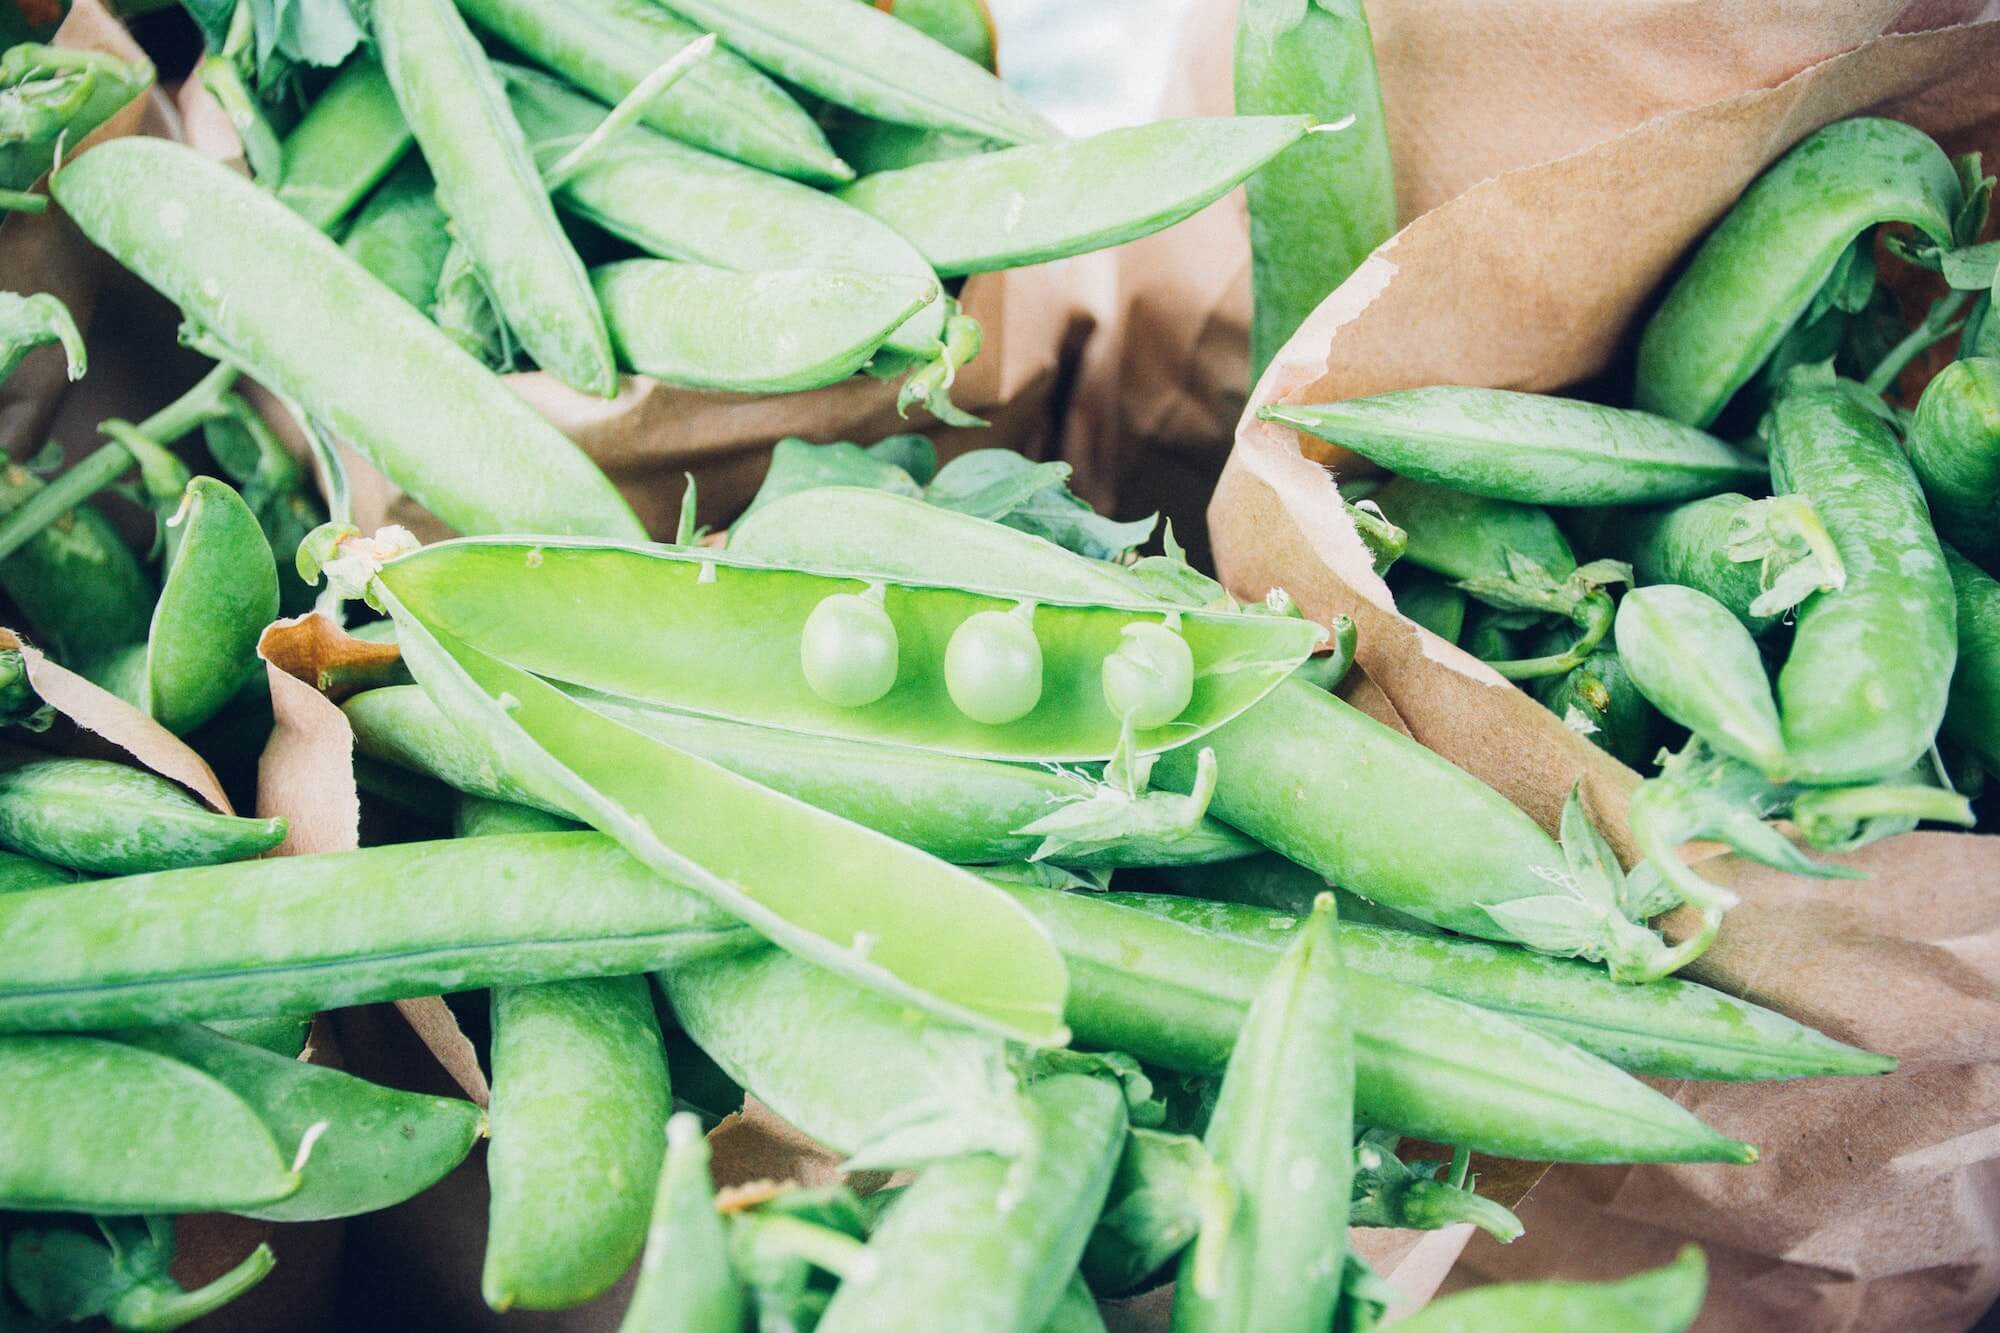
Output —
<point x="99" y="1126"/>
<point x="399" y="235"/>
<point x="489" y="187"/>
<point x="1865" y="685"/>
<point x="1758" y="271"/>
<point x="321" y="932"/>
<point x="374" y="370"/>
<point x="667" y="614"/>
<point x="221" y="590"/>
<point x="113" y="819"/>
<point x="1665" y="1300"/>
<point x="1601" y="700"/>
<point x="1697" y="664"/>
<point x="56" y="96"/>
<point x="1954" y="445"/>
<point x="685" y="1278"/>
<point x="1526" y="447"/>
<point x="580" y="1103"/>
<point x="967" y="811"/>
<point x="1282" y="1133"/>
<point x="1319" y="208"/>
<point x="348" y="139"/>
<point x="1425" y="1064"/>
<point x="779" y="331"/>
<point x="1972" y="715"/>
<point x="372" y="1147"/>
<point x="28" y="322"/>
<point x="902" y="1089"/>
<point x="1047" y="201"/>
<point x="678" y="203"/>
<point x="1019" y="1226"/>
<point x="80" y="586"/>
<point x="866" y="60"/>
<point x="1666" y="1029"/>
<point x="606" y="47"/>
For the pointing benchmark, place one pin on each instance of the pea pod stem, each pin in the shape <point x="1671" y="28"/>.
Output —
<point x="1937" y="323"/>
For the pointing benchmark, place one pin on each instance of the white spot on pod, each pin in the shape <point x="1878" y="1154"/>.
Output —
<point x="535" y="557"/>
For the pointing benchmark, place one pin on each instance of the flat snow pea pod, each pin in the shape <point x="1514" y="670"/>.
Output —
<point x="1954" y="445"/>
<point x="1865" y="685"/>
<point x="1666" y="1300"/>
<point x="220" y="591"/>
<point x="1665" y="1029"/>
<point x="778" y="331"/>
<point x="676" y="202"/>
<point x="864" y="59"/>
<point x="113" y="819"/>
<point x="348" y="139"/>
<point x="580" y="1105"/>
<point x="867" y="1077"/>
<point x="1526" y="447"/>
<point x="1425" y="1064"/>
<point x="399" y="235"/>
<point x="1972" y="717"/>
<point x="1282" y="1132"/>
<point x="372" y="1147"/>
<point x="1046" y="201"/>
<point x="685" y="1278"/>
<point x="726" y="106"/>
<point x="1758" y="271"/>
<point x="82" y="589"/>
<point x="490" y="189"/>
<point x="19" y="873"/>
<point x="374" y="370"/>
<point x="1322" y="205"/>
<point x="159" y="1136"/>
<point x="981" y="1242"/>
<point x="53" y="96"/>
<point x="321" y="932"/>
<point x="672" y="618"/>
<point x="968" y="811"/>
<point x="1697" y="664"/>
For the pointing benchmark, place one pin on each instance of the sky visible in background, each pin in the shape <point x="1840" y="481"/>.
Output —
<point x="1089" y="64"/>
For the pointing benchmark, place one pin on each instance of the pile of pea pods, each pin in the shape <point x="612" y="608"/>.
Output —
<point x="920" y="806"/>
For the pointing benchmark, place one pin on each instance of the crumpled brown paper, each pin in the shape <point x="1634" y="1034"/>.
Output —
<point x="1618" y="135"/>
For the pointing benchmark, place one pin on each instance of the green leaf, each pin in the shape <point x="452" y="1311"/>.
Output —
<point x="27" y="322"/>
<point x="1796" y="554"/>
<point x="1973" y="268"/>
<point x="799" y="465"/>
<point x="991" y="483"/>
<point x="915" y="454"/>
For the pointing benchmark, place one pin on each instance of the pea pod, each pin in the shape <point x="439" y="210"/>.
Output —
<point x="1759" y="270"/>
<point x="1270" y="881"/>
<point x="1432" y="603"/>
<point x="51" y="96"/>
<point x="606" y="47"/>
<point x="1165" y="1191"/>
<point x="1666" y="1029"/>
<point x="1600" y="699"/>
<point x="1665" y="1300"/>
<point x="399" y="235"/>
<point x="1972" y="717"/>
<point x="668" y="611"/>
<point x="19" y="873"/>
<point x="1688" y="544"/>
<point x="1022" y="1224"/>
<point x="1697" y="664"/>
<point x="968" y="811"/>
<point x="1281" y="1132"/>
<point x="1529" y="448"/>
<point x="305" y="933"/>
<point x="131" y="1153"/>
<point x="872" y="146"/>
<point x="1047" y="201"/>
<point x="1954" y="445"/>
<point x="677" y="203"/>
<point x="682" y="324"/>
<point x="489" y="187"/>
<point x="376" y="372"/>
<point x="83" y="591"/>
<point x="1321" y="206"/>
<point x="1895" y="614"/>
<point x="348" y="139"/>
<point x="1425" y="1064"/>
<point x="113" y="819"/>
<point x="372" y="1147"/>
<point x="685" y="1279"/>
<point x="864" y="59"/>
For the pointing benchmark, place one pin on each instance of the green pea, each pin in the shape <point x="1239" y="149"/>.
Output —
<point x="993" y="666"/>
<point x="1150" y="679"/>
<point x="113" y="819"/>
<point x="848" y="649"/>
<point x="1954" y="445"/>
<point x="348" y="139"/>
<point x="1697" y="664"/>
<point x="1665" y="1300"/>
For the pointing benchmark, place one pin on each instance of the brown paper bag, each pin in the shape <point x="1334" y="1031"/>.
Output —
<point x="1873" y="1204"/>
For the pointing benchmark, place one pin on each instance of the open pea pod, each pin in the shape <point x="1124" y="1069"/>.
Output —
<point x="1758" y="271"/>
<point x="851" y="900"/>
<point x="721" y="635"/>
